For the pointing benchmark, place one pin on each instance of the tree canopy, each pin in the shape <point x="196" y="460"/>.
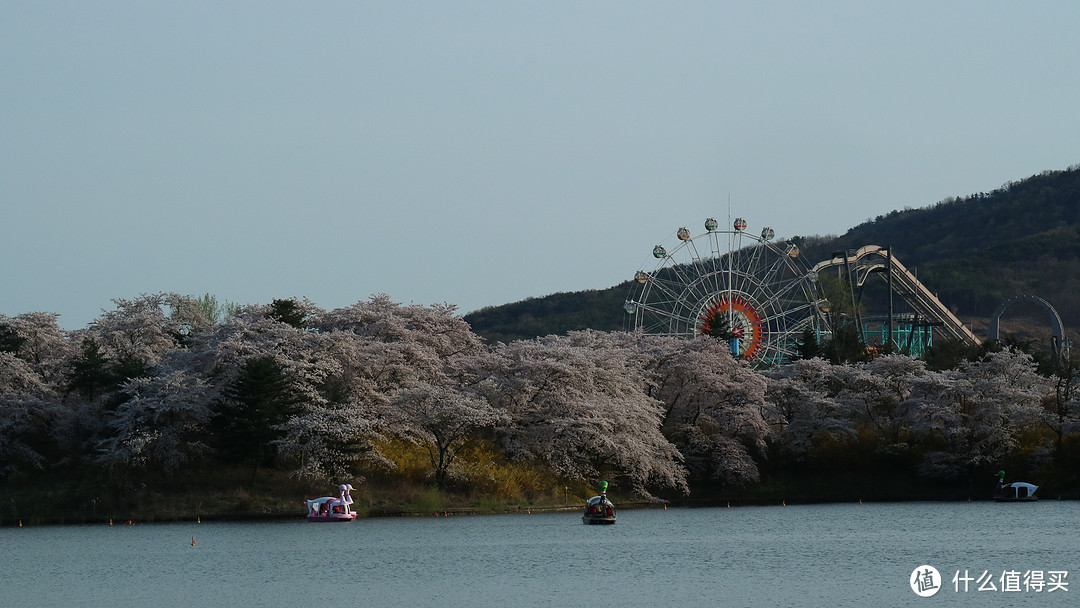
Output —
<point x="154" y="387"/>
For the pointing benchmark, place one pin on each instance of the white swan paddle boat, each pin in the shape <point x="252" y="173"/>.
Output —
<point x="332" y="508"/>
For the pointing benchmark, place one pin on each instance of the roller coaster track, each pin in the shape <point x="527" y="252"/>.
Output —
<point x="872" y="258"/>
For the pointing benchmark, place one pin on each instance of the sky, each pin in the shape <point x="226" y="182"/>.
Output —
<point x="483" y="152"/>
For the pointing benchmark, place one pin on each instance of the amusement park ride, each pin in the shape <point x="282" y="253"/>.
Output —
<point x="761" y="293"/>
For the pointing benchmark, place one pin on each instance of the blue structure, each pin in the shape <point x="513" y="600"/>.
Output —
<point x="910" y="334"/>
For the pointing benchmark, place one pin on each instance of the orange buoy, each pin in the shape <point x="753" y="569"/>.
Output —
<point x="20" y="523"/>
<point x="110" y="521"/>
<point x="192" y="541"/>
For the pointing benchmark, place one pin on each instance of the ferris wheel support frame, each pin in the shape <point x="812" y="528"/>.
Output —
<point x="765" y="294"/>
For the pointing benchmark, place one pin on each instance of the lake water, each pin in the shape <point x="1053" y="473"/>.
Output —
<point x="807" y="555"/>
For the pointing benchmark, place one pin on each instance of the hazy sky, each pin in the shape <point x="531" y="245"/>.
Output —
<point x="479" y="153"/>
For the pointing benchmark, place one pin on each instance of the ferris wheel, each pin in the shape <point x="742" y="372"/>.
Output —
<point x="752" y="290"/>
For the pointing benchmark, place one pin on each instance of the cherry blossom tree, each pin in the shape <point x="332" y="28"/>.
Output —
<point x="441" y="420"/>
<point x="976" y="413"/>
<point x="1062" y="406"/>
<point x="366" y="354"/>
<point x="435" y="329"/>
<point x="805" y="410"/>
<point x="327" y="438"/>
<point x="345" y="366"/>
<point x="874" y="391"/>
<point x="162" y="425"/>
<point x="37" y="339"/>
<point x="34" y="376"/>
<point x="28" y="412"/>
<point x="254" y="369"/>
<point x="579" y="404"/>
<point x="714" y="405"/>
<point x="141" y="329"/>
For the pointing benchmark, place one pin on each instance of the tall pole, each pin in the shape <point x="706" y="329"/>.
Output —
<point x="888" y="269"/>
<point x="730" y="243"/>
<point x="854" y="302"/>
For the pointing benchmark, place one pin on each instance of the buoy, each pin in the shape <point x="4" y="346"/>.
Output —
<point x="860" y="501"/>
<point x="20" y="523"/>
<point x="192" y="541"/>
<point x="110" y="521"/>
<point x="198" y="520"/>
<point x="665" y="506"/>
<point x="729" y="505"/>
<point x="783" y="503"/>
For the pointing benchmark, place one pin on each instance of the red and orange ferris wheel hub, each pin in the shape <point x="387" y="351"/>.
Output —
<point x="746" y="323"/>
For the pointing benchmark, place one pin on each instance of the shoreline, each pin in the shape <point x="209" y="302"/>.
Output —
<point x="464" y="512"/>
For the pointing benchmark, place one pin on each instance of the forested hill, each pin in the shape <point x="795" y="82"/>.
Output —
<point x="974" y="251"/>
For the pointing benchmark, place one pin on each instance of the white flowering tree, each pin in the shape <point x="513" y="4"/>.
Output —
<point x="263" y="372"/>
<point x="343" y="368"/>
<point x="29" y="412"/>
<point x="974" y="416"/>
<point x="874" y="392"/>
<point x="363" y="357"/>
<point x="442" y="420"/>
<point x="714" y="405"/>
<point x="35" y="426"/>
<point x="344" y="386"/>
<point x="579" y="404"/>
<point x="161" y="425"/>
<point x="804" y="411"/>
<point x="428" y="330"/>
<point x="139" y="331"/>
<point x="37" y="339"/>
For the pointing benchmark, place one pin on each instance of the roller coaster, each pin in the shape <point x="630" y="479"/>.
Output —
<point x="863" y="262"/>
<point x="870" y="259"/>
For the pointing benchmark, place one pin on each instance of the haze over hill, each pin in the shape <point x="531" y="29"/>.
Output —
<point x="974" y="251"/>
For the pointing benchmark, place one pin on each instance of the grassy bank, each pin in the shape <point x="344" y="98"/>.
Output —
<point x="231" y="495"/>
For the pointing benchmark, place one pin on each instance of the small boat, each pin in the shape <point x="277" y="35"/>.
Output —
<point x="1017" y="491"/>
<point x="599" y="509"/>
<point x="332" y="508"/>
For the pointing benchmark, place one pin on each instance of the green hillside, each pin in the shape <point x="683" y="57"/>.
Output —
<point x="974" y="251"/>
<point x="554" y="314"/>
